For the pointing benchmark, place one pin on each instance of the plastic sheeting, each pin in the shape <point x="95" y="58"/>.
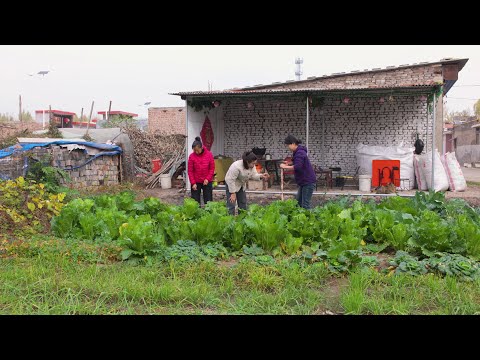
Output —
<point x="111" y="149"/>
<point x="113" y="134"/>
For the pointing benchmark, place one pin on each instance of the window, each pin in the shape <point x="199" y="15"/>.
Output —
<point x="477" y="130"/>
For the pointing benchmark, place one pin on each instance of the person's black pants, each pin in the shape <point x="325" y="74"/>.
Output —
<point x="241" y="200"/>
<point x="207" y="192"/>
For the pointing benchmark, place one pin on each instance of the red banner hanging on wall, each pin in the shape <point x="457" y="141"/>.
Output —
<point x="207" y="133"/>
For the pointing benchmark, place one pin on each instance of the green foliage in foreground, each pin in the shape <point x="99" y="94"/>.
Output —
<point x="337" y="234"/>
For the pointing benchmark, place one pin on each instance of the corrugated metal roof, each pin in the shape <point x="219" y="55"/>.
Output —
<point x="419" y="88"/>
<point x="58" y="112"/>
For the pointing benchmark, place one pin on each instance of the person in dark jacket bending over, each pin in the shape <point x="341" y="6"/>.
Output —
<point x="303" y="170"/>
<point x="201" y="168"/>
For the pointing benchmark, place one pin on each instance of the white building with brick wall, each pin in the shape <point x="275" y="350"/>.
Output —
<point x="167" y="120"/>
<point x="331" y="114"/>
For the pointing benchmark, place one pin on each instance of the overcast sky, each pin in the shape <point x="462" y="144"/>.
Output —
<point x="130" y="75"/>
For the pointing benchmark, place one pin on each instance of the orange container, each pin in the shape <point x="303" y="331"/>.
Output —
<point x="156" y="165"/>
<point x="384" y="169"/>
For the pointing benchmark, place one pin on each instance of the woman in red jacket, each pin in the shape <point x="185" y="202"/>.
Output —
<point x="201" y="168"/>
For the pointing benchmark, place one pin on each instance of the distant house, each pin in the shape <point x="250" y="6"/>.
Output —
<point x="114" y="113"/>
<point x="460" y="119"/>
<point x="331" y="114"/>
<point x="168" y="120"/>
<point x="63" y="119"/>
<point x="460" y="132"/>
<point x="466" y="133"/>
<point x="466" y="141"/>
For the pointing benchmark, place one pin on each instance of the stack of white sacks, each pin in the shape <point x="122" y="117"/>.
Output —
<point x="366" y="153"/>
<point x="448" y="174"/>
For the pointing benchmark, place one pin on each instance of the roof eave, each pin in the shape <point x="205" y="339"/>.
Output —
<point x="417" y="89"/>
<point x="461" y="63"/>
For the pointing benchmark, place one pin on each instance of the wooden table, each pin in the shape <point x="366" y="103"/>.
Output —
<point x="268" y="164"/>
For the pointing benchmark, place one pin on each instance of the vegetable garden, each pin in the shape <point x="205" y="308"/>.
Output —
<point x="412" y="236"/>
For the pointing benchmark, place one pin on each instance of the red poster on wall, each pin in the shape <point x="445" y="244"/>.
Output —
<point x="207" y="133"/>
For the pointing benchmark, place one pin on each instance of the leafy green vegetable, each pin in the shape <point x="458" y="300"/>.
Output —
<point x="138" y="235"/>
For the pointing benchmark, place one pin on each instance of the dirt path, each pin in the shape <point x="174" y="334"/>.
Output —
<point x="173" y="196"/>
<point x="471" y="174"/>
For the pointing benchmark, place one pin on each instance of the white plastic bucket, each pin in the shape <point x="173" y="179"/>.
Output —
<point x="364" y="183"/>
<point x="165" y="181"/>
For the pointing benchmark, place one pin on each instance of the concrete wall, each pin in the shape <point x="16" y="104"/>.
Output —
<point x="468" y="154"/>
<point x="465" y="134"/>
<point x="195" y="123"/>
<point x="42" y="118"/>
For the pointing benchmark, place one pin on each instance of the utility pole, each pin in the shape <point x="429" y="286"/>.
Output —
<point x="81" y="117"/>
<point x="109" y="109"/>
<point x="90" y="117"/>
<point x="20" y="110"/>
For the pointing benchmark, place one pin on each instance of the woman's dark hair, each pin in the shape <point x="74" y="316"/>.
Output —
<point x="290" y="139"/>
<point x="197" y="142"/>
<point x="248" y="157"/>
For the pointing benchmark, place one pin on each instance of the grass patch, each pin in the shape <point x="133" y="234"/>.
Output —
<point x="56" y="285"/>
<point x="473" y="183"/>
<point x="45" y="275"/>
<point x="370" y="292"/>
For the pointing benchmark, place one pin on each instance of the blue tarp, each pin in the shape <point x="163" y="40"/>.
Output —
<point x="113" y="149"/>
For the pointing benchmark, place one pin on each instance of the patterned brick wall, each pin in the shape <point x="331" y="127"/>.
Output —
<point x="363" y="120"/>
<point x="407" y="76"/>
<point x="168" y="120"/>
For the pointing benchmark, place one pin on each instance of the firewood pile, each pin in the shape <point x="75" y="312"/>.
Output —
<point x="173" y="162"/>
<point x="146" y="147"/>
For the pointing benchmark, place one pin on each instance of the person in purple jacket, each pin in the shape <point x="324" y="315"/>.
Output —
<point x="303" y="171"/>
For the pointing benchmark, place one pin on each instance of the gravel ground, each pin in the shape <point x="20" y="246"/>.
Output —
<point x="176" y="196"/>
<point x="173" y="196"/>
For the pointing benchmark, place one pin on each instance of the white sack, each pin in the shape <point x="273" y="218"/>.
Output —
<point x="456" y="180"/>
<point x="440" y="176"/>
<point x="419" y="175"/>
<point x="365" y="154"/>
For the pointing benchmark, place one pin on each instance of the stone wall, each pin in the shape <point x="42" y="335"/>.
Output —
<point x="11" y="167"/>
<point x="468" y="154"/>
<point x="103" y="170"/>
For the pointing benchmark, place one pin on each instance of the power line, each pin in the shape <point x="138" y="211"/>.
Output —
<point x="447" y="98"/>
